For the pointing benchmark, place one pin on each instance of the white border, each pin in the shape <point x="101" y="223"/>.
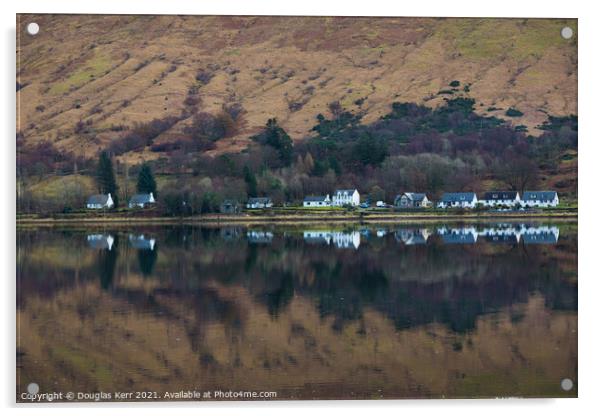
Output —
<point x="590" y="151"/>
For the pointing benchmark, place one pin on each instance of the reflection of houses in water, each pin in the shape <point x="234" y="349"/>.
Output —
<point x="317" y="237"/>
<point x="346" y="240"/>
<point x="141" y="242"/>
<point x="540" y="235"/>
<point x="365" y="232"/>
<point x="230" y="233"/>
<point x="501" y="233"/>
<point x="380" y="233"/>
<point x="412" y="236"/>
<point x="466" y="235"/>
<point x="507" y="234"/>
<point x="260" y="237"/>
<point x="338" y="238"/>
<point x="100" y="241"/>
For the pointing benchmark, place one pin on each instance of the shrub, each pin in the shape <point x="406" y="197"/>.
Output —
<point x="513" y="112"/>
<point x="204" y="76"/>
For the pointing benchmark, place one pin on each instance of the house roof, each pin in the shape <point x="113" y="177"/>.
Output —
<point x="413" y="196"/>
<point x="345" y="192"/>
<point x="499" y="195"/>
<point x="458" y="196"/>
<point x="318" y="198"/>
<point x="259" y="200"/>
<point x="141" y="199"/>
<point x="229" y="202"/>
<point x="539" y="195"/>
<point x="100" y="199"/>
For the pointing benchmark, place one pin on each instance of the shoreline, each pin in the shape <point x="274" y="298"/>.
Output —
<point x="272" y="218"/>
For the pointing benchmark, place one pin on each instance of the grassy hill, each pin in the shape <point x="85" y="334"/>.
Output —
<point x="83" y="80"/>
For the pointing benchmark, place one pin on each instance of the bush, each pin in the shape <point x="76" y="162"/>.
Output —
<point x="204" y="76"/>
<point x="206" y="126"/>
<point x="513" y="112"/>
<point x="142" y="135"/>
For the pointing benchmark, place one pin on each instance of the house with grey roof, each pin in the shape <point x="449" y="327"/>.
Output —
<point x="259" y="203"/>
<point x="411" y="200"/>
<point x="317" y="201"/>
<point x="506" y="199"/>
<point x="342" y="197"/>
<point x="100" y="201"/>
<point x="539" y="199"/>
<point x="458" y="200"/>
<point x="229" y="206"/>
<point x="141" y="200"/>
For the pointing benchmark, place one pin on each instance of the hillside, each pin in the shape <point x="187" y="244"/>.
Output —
<point x="110" y="72"/>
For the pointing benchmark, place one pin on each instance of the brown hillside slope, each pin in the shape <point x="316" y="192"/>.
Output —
<point x="118" y="70"/>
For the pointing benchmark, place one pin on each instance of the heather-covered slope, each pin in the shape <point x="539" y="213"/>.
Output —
<point x="84" y="80"/>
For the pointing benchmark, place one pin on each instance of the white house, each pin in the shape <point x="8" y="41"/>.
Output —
<point x="507" y="199"/>
<point x="317" y="201"/>
<point x="411" y="200"/>
<point x="539" y="199"/>
<point x="346" y="197"/>
<point x="259" y="203"/>
<point x="100" y="201"/>
<point x="141" y="200"/>
<point x="458" y="200"/>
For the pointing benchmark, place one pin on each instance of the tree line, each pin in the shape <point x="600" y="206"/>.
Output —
<point x="412" y="148"/>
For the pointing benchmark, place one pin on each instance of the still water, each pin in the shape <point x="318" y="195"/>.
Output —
<point x="439" y="310"/>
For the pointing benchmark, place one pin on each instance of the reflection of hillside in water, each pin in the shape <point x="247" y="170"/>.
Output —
<point x="412" y="283"/>
<point x="198" y="281"/>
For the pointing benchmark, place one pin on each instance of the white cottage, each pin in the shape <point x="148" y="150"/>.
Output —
<point x="539" y="199"/>
<point x="141" y="200"/>
<point x="458" y="200"/>
<point x="506" y="199"/>
<point x="317" y="201"/>
<point x="100" y="201"/>
<point x="343" y="197"/>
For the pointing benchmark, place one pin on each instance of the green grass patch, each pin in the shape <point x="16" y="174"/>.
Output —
<point x="489" y="38"/>
<point x="58" y="186"/>
<point x="93" y="68"/>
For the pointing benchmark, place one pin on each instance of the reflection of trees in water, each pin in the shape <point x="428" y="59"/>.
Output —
<point x="278" y="291"/>
<point x="411" y="285"/>
<point x="107" y="261"/>
<point x="147" y="260"/>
